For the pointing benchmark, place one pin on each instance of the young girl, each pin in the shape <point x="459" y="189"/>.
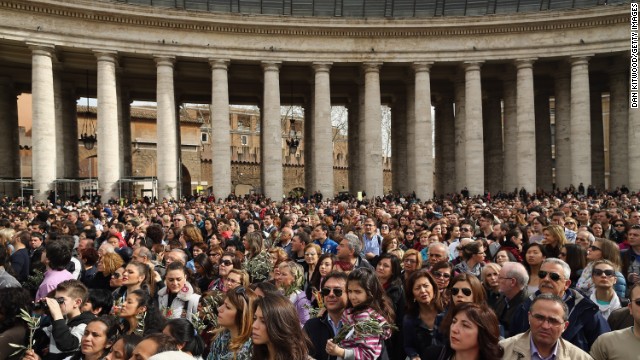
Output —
<point x="367" y="301"/>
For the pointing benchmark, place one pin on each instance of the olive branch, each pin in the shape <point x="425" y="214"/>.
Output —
<point x="33" y="323"/>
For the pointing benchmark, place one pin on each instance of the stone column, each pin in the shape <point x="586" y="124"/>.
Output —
<point x="526" y="165"/>
<point x="510" y="135"/>
<point x="492" y="124"/>
<point x="221" y="147"/>
<point x="309" y="174"/>
<point x="107" y="127"/>
<point x="597" y="140"/>
<point x="474" y="148"/>
<point x="399" y="146"/>
<point x="167" y="169"/>
<point x="634" y="149"/>
<point x="70" y="133"/>
<point x="563" y="130"/>
<point x="322" y="131"/>
<point x="459" y="142"/>
<point x="580" y="122"/>
<point x="445" y="146"/>
<point x="373" y="181"/>
<point x="60" y="145"/>
<point x="618" y="130"/>
<point x="354" y="144"/>
<point x="410" y="137"/>
<point x="422" y="172"/>
<point x="44" y="162"/>
<point x="124" y="125"/>
<point x="362" y="153"/>
<point x="272" y="133"/>
<point x="9" y="136"/>
<point x="544" y="165"/>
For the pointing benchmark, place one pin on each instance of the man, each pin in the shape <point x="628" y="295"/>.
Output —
<point x="175" y="255"/>
<point x="321" y="329"/>
<point x="298" y="242"/>
<point x="320" y="237"/>
<point x="584" y="218"/>
<point x="485" y="223"/>
<point x="286" y="235"/>
<point x="437" y="252"/>
<point x="548" y="318"/>
<point x="466" y="231"/>
<point x="153" y="344"/>
<point x="625" y="343"/>
<point x="631" y="256"/>
<point x="585" y="239"/>
<point x="512" y="280"/>
<point x="349" y="251"/>
<point x="557" y="218"/>
<point x="371" y="239"/>
<point x="144" y="255"/>
<point x="179" y="221"/>
<point x="604" y="218"/>
<point x="585" y="321"/>
<point x="634" y="218"/>
<point x="267" y="226"/>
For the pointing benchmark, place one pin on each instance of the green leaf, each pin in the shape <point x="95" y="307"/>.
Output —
<point x="17" y="346"/>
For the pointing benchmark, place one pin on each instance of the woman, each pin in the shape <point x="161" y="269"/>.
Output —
<point x="411" y="261"/>
<point x="537" y="226"/>
<point x="576" y="257"/>
<point x="618" y="233"/>
<point x="554" y="240"/>
<point x="512" y="244"/>
<point x="228" y="261"/>
<point x="473" y="255"/>
<point x="602" y="249"/>
<point x="122" y="349"/>
<point x="235" y="320"/>
<point x="453" y="234"/>
<point x="140" y="306"/>
<point x="423" y="305"/>
<point x="473" y="334"/>
<point x="466" y="288"/>
<point x="99" y="335"/>
<point x="236" y="278"/>
<point x="136" y="276"/>
<point x="210" y="230"/>
<point x="389" y="273"/>
<point x="390" y="242"/>
<point x="410" y="239"/>
<point x="311" y="255"/>
<point x="177" y="299"/>
<point x="534" y="255"/>
<point x="289" y="280"/>
<point x="490" y="282"/>
<point x="199" y="248"/>
<point x="275" y="324"/>
<point x="325" y="265"/>
<point x="442" y="272"/>
<point x="186" y="335"/>
<point x="190" y="235"/>
<point x="204" y="273"/>
<point x="502" y="256"/>
<point x="258" y="262"/>
<point x="89" y="259"/>
<point x="12" y="328"/>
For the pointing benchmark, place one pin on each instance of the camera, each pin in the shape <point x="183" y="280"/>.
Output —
<point x="42" y="304"/>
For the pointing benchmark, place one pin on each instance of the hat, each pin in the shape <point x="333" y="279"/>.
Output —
<point x="171" y="355"/>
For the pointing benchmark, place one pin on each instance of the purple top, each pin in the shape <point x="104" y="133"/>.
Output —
<point x="51" y="280"/>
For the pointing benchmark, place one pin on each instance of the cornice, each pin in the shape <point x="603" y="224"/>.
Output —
<point x="151" y="17"/>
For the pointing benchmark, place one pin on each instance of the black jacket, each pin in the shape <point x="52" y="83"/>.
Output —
<point x="65" y="341"/>
<point x="319" y="331"/>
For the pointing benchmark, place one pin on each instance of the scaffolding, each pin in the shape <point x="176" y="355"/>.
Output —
<point x="74" y="189"/>
<point x="16" y="187"/>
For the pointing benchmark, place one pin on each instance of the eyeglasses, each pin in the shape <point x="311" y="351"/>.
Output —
<point x="465" y="229"/>
<point x="465" y="291"/>
<point x="551" y="320"/>
<point x="116" y="275"/>
<point x="439" y="274"/>
<point x="552" y="275"/>
<point x="594" y="248"/>
<point x="409" y="233"/>
<point x="231" y="281"/>
<point x="226" y="262"/>
<point x="599" y="272"/>
<point x="409" y="261"/>
<point x="336" y="291"/>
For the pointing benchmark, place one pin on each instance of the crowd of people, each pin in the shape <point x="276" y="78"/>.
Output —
<point x="520" y="276"/>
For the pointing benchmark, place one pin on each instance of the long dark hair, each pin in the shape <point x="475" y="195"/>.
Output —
<point x="488" y="328"/>
<point x="412" y="306"/>
<point x="283" y="327"/>
<point x="11" y="301"/>
<point x="153" y="320"/>
<point x="396" y="268"/>
<point x="377" y="298"/>
<point x="316" y="277"/>
<point x="183" y="331"/>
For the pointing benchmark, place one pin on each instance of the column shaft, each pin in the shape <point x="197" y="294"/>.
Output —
<point x="580" y="122"/>
<point x="399" y="147"/>
<point x="322" y="130"/>
<point x="510" y="135"/>
<point x="445" y="146"/>
<point x="526" y="166"/>
<point x="354" y="145"/>
<point x="124" y="125"/>
<point x="70" y="133"/>
<point x="272" y="133"/>
<point x="474" y="152"/>
<point x="373" y="180"/>
<point x="221" y="147"/>
<point x="410" y="138"/>
<point x="544" y="175"/>
<point x="309" y="174"/>
<point x="107" y="127"/>
<point x="492" y="124"/>
<point x="460" y="137"/>
<point x="422" y="172"/>
<point x="167" y="168"/>
<point x="618" y="129"/>
<point x="563" y="131"/>
<point x="58" y="100"/>
<point x="43" y="111"/>
<point x="9" y="136"/>
<point x="362" y="154"/>
<point x="597" y="140"/>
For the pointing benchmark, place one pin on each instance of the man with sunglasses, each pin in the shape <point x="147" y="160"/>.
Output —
<point x="585" y="321"/>
<point x="623" y="343"/>
<point x="321" y="329"/>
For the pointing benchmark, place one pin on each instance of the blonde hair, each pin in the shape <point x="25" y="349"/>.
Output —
<point x="557" y="232"/>
<point x="6" y="235"/>
<point x="244" y="276"/>
<point x="111" y="262"/>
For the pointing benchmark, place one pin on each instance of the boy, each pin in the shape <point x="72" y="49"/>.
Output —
<point x="67" y="321"/>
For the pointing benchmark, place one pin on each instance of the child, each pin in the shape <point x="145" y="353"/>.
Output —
<point x="67" y="319"/>
<point x="367" y="301"/>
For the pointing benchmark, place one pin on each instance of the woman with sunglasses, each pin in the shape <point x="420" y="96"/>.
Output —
<point x="228" y="261"/>
<point x="178" y="299"/>
<point x="107" y="271"/>
<point x="602" y="249"/>
<point x="618" y="233"/>
<point x="423" y="306"/>
<point x="442" y="272"/>
<point x="604" y="278"/>
<point x="235" y="319"/>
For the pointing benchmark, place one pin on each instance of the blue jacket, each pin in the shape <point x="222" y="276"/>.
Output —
<point x="585" y="321"/>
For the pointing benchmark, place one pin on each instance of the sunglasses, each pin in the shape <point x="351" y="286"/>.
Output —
<point x="552" y="275"/>
<point x="336" y="291"/>
<point x="439" y="274"/>
<point x="226" y="262"/>
<point x="240" y="290"/>
<point x="599" y="272"/>
<point x="116" y="275"/>
<point x="409" y="233"/>
<point x="465" y="291"/>
<point x="594" y="248"/>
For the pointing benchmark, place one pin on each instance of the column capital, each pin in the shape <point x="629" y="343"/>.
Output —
<point x="107" y="55"/>
<point x="323" y="66"/>
<point x="42" y="49"/>
<point x="524" y="63"/>
<point x="371" y="67"/>
<point x="472" y="65"/>
<point x="580" y="60"/>
<point x="271" y="65"/>
<point x="164" y="60"/>
<point x="219" y="64"/>
<point x="421" y="66"/>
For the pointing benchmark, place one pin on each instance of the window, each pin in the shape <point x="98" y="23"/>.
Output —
<point x="204" y="137"/>
<point x="244" y="140"/>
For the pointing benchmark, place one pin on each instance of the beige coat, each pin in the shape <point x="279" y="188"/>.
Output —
<point x="519" y="347"/>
